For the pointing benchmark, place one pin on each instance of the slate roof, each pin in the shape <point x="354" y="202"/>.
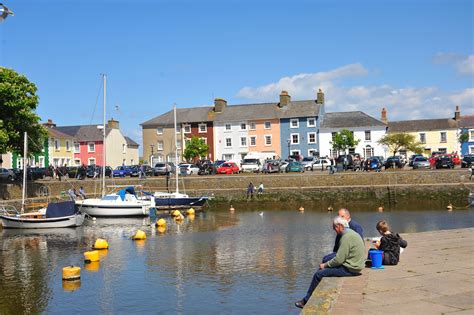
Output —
<point x="237" y="113"/>
<point x="349" y="120"/>
<point x="84" y="133"/>
<point x="466" y="121"/>
<point x="54" y="133"/>
<point x="422" y="125"/>
<point x="130" y="142"/>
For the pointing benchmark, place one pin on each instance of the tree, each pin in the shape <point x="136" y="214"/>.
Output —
<point x="18" y="101"/>
<point x="344" y="140"/>
<point x="401" y="141"/>
<point x="463" y="137"/>
<point x="195" y="148"/>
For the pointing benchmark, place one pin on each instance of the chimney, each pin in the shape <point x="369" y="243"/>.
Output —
<point x="285" y="99"/>
<point x="113" y="124"/>
<point x="49" y="124"/>
<point x="320" y="97"/>
<point x="457" y="114"/>
<point x="384" y="116"/>
<point x="219" y="105"/>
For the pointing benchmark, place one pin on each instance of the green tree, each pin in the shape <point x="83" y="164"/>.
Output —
<point x="463" y="137"/>
<point x="18" y="102"/>
<point x="401" y="141"/>
<point x="195" y="149"/>
<point x="344" y="140"/>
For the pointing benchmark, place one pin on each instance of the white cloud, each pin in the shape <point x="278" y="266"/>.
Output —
<point x="464" y="65"/>
<point x="401" y="102"/>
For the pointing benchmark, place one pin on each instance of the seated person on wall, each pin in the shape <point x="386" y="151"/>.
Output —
<point x="390" y="244"/>
<point x="349" y="259"/>
<point x="353" y="225"/>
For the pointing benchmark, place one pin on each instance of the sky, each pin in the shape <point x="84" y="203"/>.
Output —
<point x="415" y="58"/>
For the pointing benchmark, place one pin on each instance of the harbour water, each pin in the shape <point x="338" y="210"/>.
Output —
<point x="248" y="262"/>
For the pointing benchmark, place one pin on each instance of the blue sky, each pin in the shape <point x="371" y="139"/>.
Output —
<point x="415" y="58"/>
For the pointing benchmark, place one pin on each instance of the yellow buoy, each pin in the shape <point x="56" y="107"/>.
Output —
<point x="450" y="207"/>
<point x="100" y="243"/>
<point x="71" y="285"/>
<point x="176" y="213"/>
<point x="380" y="209"/>
<point x="103" y="253"/>
<point x="139" y="235"/>
<point x="179" y="217"/>
<point x="330" y="209"/>
<point x="191" y="217"/>
<point x="93" y="266"/>
<point x="190" y="211"/>
<point x="301" y="209"/>
<point x="139" y="243"/>
<point x="161" y="222"/>
<point x="162" y="229"/>
<point x="231" y="208"/>
<point x="91" y="256"/>
<point x="71" y="273"/>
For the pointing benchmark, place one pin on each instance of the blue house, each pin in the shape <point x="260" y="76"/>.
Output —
<point x="299" y="125"/>
<point x="466" y="124"/>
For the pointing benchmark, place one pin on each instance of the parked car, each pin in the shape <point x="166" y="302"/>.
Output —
<point x="381" y="159"/>
<point x="373" y="164"/>
<point x="122" y="171"/>
<point x="348" y="162"/>
<point x="420" y="162"/>
<point x="321" y="164"/>
<point x="164" y="168"/>
<point x="467" y="161"/>
<point x="207" y="168"/>
<point x="394" y="162"/>
<point x="72" y="171"/>
<point x="271" y="166"/>
<point x="189" y="169"/>
<point x="412" y="157"/>
<point x="308" y="162"/>
<point x="284" y="164"/>
<point x="295" y="166"/>
<point x="444" y="161"/>
<point x="32" y="173"/>
<point x="251" y="165"/>
<point x="97" y="170"/>
<point x="219" y="163"/>
<point x="228" y="168"/>
<point x="7" y="175"/>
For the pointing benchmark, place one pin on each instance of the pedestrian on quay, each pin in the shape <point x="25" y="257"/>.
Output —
<point x="58" y="173"/>
<point x="72" y="194"/>
<point x="142" y="171"/>
<point x="260" y="190"/>
<point x="82" y="193"/>
<point x="250" y="190"/>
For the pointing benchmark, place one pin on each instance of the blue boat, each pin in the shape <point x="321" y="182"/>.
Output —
<point x="176" y="200"/>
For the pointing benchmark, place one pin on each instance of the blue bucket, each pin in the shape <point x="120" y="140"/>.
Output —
<point x="376" y="257"/>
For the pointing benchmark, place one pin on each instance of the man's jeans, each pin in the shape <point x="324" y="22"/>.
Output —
<point x="340" y="271"/>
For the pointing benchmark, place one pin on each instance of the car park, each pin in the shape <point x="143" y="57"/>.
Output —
<point x="294" y="166"/>
<point x="188" y="169"/>
<point x="272" y="166"/>
<point x="467" y="161"/>
<point x="444" y="161"/>
<point x="228" y="168"/>
<point x="6" y="175"/>
<point x="420" y="162"/>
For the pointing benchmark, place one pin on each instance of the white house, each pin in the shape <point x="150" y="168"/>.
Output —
<point x="231" y="140"/>
<point x="365" y="128"/>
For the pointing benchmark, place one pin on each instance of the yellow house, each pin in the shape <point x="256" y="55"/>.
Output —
<point x="60" y="146"/>
<point x="435" y="135"/>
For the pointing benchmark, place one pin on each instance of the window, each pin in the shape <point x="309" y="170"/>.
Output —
<point x="228" y="142"/>
<point x="252" y="126"/>
<point x="368" y="151"/>
<point x="77" y="162"/>
<point x="443" y="137"/>
<point x="227" y="157"/>
<point x="243" y="141"/>
<point x="295" y="138"/>
<point x="77" y="147"/>
<point x="91" y="161"/>
<point x="124" y="148"/>
<point x="178" y="144"/>
<point x="56" y="162"/>
<point x="294" y="123"/>
<point x="68" y="146"/>
<point x="158" y="158"/>
<point x="41" y="161"/>
<point x="228" y="127"/>
<point x="471" y="135"/>
<point x="311" y="137"/>
<point x="243" y="126"/>
<point x="91" y="148"/>
<point x="367" y="135"/>
<point x="178" y="129"/>
<point x="471" y="149"/>
<point x="333" y="135"/>
<point x="268" y="125"/>
<point x="442" y="150"/>
<point x="295" y="152"/>
<point x="312" y="152"/>
<point x="422" y="137"/>
<point x="159" y="146"/>
<point x="159" y="130"/>
<point x="56" y="144"/>
<point x="187" y="128"/>
<point x="268" y="140"/>
<point x="204" y="140"/>
<point x="333" y="153"/>
<point x="352" y="150"/>
<point x="253" y="141"/>
<point x="311" y="122"/>
<point x="202" y="128"/>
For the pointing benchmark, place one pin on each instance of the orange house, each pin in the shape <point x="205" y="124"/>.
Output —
<point x="264" y="136"/>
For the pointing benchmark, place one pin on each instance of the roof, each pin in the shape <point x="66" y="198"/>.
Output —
<point x="466" y="121"/>
<point x="85" y="132"/>
<point x="422" y="125"/>
<point x="130" y="142"/>
<point x="237" y="112"/>
<point x="350" y="120"/>
<point x="54" y="133"/>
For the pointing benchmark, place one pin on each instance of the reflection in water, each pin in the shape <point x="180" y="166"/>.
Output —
<point x="215" y="262"/>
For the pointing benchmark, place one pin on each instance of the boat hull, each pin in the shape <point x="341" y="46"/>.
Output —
<point x="104" y="209"/>
<point x="16" y="222"/>
<point x="178" y="203"/>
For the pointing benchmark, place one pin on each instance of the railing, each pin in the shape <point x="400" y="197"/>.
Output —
<point x="8" y="210"/>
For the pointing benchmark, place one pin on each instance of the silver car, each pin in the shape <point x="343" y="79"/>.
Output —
<point x="421" y="162"/>
<point x="6" y="174"/>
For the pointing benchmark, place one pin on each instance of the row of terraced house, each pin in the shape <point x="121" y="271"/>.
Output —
<point x="289" y="127"/>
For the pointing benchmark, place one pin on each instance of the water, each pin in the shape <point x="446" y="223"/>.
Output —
<point x="241" y="263"/>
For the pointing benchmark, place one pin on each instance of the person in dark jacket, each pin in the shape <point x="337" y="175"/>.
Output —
<point x="390" y="244"/>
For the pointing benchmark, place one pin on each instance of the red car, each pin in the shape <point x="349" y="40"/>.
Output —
<point x="453" y="156"/>
<point x="228" y="168"/>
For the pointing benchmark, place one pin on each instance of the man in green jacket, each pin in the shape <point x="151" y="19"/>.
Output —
<point x="349" y="260"/>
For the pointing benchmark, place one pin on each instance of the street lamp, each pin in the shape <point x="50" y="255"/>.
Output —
<point x="289" y="144"/>
<point x="151" y="156"/>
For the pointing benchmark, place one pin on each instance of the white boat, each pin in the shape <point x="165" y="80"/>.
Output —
<point x="124" y="203"/>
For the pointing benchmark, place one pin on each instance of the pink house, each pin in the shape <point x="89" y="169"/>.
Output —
<point x="89" y="145"/>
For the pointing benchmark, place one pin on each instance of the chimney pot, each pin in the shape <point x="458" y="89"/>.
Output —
<point x="320" y="97"/>
<point x="113" y="124"/>
<point x="285" y="99"/>
<point x="384" y="116"/>
<point x="219" y="105"/>
<point x="457" y="113"/>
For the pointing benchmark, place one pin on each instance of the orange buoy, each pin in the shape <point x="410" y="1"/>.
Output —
<point x="91" y="256"/>
<point x="71" y="273"/>
<point x="301" y="209"/>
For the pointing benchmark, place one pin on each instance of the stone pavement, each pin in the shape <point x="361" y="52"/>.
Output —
<point x="435" y="276"/>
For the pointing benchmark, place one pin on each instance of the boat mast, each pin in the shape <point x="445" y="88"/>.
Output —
<point x="104" y="77"/>
<point x="176" y="148"/>
<point x="25" y="170"/>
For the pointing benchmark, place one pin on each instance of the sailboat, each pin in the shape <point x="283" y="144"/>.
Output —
<point x="121" y="204"/>
<point x="55" y="215"/>
<point x="177" y="200"/>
